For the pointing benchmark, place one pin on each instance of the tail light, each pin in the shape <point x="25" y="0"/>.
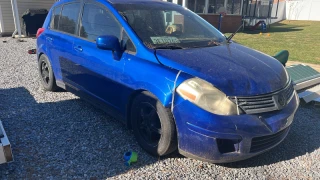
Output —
<point x="39" y="32"/>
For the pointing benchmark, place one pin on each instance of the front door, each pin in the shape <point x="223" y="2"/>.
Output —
<point x="95" y="71"/>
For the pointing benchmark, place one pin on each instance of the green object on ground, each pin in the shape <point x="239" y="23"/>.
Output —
<point x="300" y="73"/>
<point x="130" y="157"/>
<point x="282" y="56"/>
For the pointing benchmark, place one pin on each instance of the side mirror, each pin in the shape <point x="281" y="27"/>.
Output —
<point x="110" y="43"/>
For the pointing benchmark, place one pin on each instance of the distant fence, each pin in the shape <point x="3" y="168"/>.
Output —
<point x="303" y="10"/>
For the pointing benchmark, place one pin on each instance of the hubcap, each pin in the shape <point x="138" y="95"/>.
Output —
<point x="45" y="72"/>
<point x="149" y="124"/>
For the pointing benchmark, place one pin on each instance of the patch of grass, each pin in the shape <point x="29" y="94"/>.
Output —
<point x="300" y="38"/>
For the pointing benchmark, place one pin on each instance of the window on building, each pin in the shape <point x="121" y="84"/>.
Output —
<point x="197" y="6"/>
<point x="69" y="18"/>
<point x="233" y="6"/>
<point x="215" y="6"/>
<point x="96" y="21"/>
<point x="55" y="18"/>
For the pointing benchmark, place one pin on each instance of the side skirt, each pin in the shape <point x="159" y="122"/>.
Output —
<point x="94" y="101"/>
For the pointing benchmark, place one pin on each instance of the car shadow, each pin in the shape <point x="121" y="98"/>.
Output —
<point x="66" y="139"/>
<point x="301" y="140"/>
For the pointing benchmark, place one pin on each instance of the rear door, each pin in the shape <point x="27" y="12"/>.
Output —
<point x="60" y="37"/>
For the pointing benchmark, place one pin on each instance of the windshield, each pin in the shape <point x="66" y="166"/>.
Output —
<point x="169" y="26"/>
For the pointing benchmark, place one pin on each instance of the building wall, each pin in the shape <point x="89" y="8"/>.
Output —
<point x="7" y="17"/>
<point x="230" y="23"/>
<point x="281" y="15"/>
<point x="303" y="10"/>
<point x="23" y="5"/>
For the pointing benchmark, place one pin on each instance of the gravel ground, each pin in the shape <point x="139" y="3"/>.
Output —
<point x="59" y="136"/>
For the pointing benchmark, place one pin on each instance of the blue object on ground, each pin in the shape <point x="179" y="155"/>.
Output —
<point x="130" y="157"/>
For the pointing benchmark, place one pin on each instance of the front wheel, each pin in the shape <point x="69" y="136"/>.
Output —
<point x="153" y="125"/>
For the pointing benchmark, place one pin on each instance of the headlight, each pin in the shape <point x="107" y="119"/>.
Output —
<point x="206" y="96"/>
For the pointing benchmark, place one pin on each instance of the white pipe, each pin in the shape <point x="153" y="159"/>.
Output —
<point x="185" y="3"/>
<point x="1" y="22"/>
<point x="206" y="10"/>
<point x="241" y="7"/>
<point x="16" y="18"/>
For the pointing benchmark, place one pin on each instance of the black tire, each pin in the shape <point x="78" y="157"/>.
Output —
<point x="48" y="80"/>
<point x="148" y="112"/>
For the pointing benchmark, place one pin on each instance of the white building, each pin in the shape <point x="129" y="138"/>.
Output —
<point x="303" y="10"/>
<point x="7" y="25"/>
<point x="287" y="9"/>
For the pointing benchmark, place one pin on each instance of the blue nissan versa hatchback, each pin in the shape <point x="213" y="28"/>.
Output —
<point x="169" y="76"/>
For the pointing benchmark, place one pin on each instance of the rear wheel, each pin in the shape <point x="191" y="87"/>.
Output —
<point x="153" y="125"/>
<point x="48" y="80"/>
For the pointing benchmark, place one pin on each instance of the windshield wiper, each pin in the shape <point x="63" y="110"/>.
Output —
<point x="169" y="47"/>
<point x="211" y="45"/>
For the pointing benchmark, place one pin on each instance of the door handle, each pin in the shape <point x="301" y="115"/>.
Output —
<point x="49" y="39"/>
<point x="78" y="48"/>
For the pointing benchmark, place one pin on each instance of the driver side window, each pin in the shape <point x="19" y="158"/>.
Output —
<point x="97" y="21"/>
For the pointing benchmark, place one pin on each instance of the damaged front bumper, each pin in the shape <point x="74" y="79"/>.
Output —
<point x="221" y="139"/>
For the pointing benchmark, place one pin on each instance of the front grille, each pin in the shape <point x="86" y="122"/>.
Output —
<point x="265" y="142"/>
<point x="265" y="103"/>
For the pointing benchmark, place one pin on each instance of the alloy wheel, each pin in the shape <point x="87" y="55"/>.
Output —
<point x="149" y="124"/>
<point x="45" y="72"/>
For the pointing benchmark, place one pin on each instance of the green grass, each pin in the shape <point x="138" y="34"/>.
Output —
<point x="300" y="38"/>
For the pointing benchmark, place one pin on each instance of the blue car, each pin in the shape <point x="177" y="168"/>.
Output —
<point x="168" y="75"/>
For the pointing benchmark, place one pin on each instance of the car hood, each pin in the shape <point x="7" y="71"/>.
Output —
<point x="234" y="69"/>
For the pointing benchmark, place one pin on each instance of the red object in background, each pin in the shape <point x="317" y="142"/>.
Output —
<point x="32" y="51"/>
<point x="40" y="30"/>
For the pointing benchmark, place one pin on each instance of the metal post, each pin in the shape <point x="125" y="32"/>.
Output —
<point x="185" y="3"/>
<point x="16" y="18"/>
<point x="255" y="7"/>
<point x="277" y="9"/>
<point x="249" y="8"/>
<point x="1" y="22"/>
<point x="269" y="9"/>
<point x="206" y="10"/>
<point x="232" y="7"/>
<point x="241" y="8"/>
<point x="220" y="22"/>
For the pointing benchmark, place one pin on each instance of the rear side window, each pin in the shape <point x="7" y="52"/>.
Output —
<point x="97" y="21"/>
<point x="69" y="18"/>
<point x="55" y="17"/>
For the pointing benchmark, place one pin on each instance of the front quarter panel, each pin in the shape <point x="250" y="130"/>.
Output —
<point x="140" y="74"/>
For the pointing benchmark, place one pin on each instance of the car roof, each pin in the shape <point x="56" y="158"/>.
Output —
<point x="134" y="1"/>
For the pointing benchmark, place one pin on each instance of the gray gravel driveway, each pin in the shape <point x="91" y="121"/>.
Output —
<point x="59" y="136"/>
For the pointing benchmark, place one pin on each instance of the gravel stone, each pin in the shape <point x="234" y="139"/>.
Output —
<point x="59" y="136"/>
